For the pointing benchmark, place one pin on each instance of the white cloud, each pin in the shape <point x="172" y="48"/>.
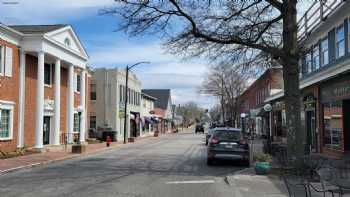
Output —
<point x="48" y="11"/>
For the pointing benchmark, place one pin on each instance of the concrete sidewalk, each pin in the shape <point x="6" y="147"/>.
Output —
<point x="250" y="185"/>
<point x="31" y="160"/>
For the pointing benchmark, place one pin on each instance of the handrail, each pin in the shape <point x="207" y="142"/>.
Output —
<point x="317" y="13"/>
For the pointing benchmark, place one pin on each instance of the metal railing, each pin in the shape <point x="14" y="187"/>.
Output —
<point x="70" y="138"/>
<point x="317" y="13"/>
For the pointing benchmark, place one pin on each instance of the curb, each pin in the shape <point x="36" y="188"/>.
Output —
<point x="229" y="178"/>
<point x="3" y="172"/>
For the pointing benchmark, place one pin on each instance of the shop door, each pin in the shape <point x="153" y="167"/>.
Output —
<point x="346" y="109"/>
<point x="311" y="130"/>
<point x="46" y="130"/>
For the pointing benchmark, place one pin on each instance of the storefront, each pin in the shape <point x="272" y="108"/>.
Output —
<point x="335" y="116"/>
<point x="279" y="132"/>
<point x="309" y="117"/>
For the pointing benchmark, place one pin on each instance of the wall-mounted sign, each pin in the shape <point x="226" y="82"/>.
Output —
<point x="338" y="90"/>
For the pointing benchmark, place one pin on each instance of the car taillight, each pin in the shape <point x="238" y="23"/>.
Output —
<point x="214" y="140"/>
<point x="244" y="143"/>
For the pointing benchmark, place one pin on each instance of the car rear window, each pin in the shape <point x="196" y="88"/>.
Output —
<point x="229" y="135"/>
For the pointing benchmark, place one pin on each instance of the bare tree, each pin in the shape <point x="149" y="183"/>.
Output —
<point x="226" y="30"/>
<point x="226" y="83"/>
<point x="190" y="113"/>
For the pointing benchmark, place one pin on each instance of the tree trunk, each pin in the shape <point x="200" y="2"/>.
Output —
<point x="295" y="134"/>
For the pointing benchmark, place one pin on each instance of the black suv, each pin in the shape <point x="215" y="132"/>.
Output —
<point x="227" y="143"/>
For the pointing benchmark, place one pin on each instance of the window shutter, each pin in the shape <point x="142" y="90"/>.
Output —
<point x="331" y="45"/>
<point x="75" y="82"/>
<point x="2" y="57"/>
<point x="8" y="62"/>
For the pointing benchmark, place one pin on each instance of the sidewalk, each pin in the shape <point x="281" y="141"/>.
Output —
<point x="31" y="160"/>
<point x="248" y="184"/>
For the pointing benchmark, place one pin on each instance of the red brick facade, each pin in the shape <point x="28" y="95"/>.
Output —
<point x="9" y="90"/>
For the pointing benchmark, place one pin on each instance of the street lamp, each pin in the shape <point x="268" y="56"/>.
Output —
<point x="243" y="115"/>
<point x="268" y="108"/>
<point x="126" y="93"/>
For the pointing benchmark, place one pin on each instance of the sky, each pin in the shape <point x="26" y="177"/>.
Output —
<point x="108" y="48"/>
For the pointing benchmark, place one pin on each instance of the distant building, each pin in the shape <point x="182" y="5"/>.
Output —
<point x="162" y="107"/>
<point x="108" y="100"/>
<point x="253" y="98"/>
<point x="147" y="114"/>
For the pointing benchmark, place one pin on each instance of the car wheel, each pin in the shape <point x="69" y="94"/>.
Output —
<point x="210" y="162"/>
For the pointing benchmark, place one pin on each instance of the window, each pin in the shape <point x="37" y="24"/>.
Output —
<point x="78" y="83"/>
<point x="315" y="58"/>
<point x="67" y="42"/>
<point x="121" y="94"/>
<point x="92" y="122"/>
<point x="47" y="74"/>
<point x="324" y="52"/>
<point x="6" y="121"/>
<point x="308" y="63"/>
<point x="340" y="42"/>
<point x="128" y="95"/>
<point x="93" y="92"/>
<point x="76" y="127"/>
<point x="333" y="125"/>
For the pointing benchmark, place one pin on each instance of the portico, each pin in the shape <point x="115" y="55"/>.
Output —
<point x="59" y="61"/>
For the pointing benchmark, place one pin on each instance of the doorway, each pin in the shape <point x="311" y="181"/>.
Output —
<point x="311" y="130"/>
<point x="46" y="130"/>
<point x="346" y="116"/>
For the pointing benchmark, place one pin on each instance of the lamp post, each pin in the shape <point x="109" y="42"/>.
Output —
<point x="128" y="68"/>
<point x="243" y="115"/>
<point x="268" y="108"/>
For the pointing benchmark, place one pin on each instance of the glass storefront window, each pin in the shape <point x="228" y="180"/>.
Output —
<point x="333" y="125"/>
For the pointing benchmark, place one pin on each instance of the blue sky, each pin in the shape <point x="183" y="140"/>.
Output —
<point x="108" y="48"/>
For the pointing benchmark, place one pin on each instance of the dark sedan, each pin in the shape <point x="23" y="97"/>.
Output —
<point x="227" y="143"/>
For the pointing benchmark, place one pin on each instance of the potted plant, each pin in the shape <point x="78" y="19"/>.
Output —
<point x="262" y="163"/>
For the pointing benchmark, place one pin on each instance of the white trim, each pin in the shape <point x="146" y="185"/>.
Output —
<point x="75" y="37"/>
<point x="8" y="106"/>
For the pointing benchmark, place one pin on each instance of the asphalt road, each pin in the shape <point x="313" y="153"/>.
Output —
<point x="168" y="166"/>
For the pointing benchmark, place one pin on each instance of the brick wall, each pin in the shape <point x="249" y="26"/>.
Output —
<point x="9" y="91"/>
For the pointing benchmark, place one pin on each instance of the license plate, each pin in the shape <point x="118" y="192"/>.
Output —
<point x="228" y="146"/>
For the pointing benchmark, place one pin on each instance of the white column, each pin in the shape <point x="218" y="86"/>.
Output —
<point x="40" y="102"/>
<point x="22" y="75"/>
<point x="70" y="103"/>
<point x="83" y="105"/>
<point x="57" y="115"/>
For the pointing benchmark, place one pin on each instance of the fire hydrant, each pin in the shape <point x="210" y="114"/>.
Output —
<point x="108" y="141"/>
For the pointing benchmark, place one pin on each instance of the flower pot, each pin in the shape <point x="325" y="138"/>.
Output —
<point x="262" y="168"/>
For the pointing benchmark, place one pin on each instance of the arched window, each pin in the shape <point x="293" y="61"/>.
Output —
<point x="67" y="41"/>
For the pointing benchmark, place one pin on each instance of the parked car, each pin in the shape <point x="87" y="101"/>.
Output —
<point x="227" y="143"/>
<point x="199" y="128"/>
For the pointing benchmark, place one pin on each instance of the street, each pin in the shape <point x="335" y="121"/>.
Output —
<point x="168" y="166"/>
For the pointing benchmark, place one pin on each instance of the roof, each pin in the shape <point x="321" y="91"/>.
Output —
<point x="148" y="96"/>
<point x="37" y="29"/>
<point x="162" y="95"/>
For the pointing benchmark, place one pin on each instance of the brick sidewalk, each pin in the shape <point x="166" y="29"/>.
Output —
<point x="27" y="161"/>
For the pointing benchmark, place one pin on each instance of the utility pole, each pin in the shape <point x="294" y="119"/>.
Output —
<point x="128" y="68"/>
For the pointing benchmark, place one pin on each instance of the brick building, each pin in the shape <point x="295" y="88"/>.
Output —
<point x="253" y="98"/>
<point x="43" y="85"/>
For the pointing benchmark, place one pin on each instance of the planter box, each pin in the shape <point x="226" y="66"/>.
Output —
<point x="131" y="139"/>
<point x="78" y="148"/>
<point x="262" y="168"/>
